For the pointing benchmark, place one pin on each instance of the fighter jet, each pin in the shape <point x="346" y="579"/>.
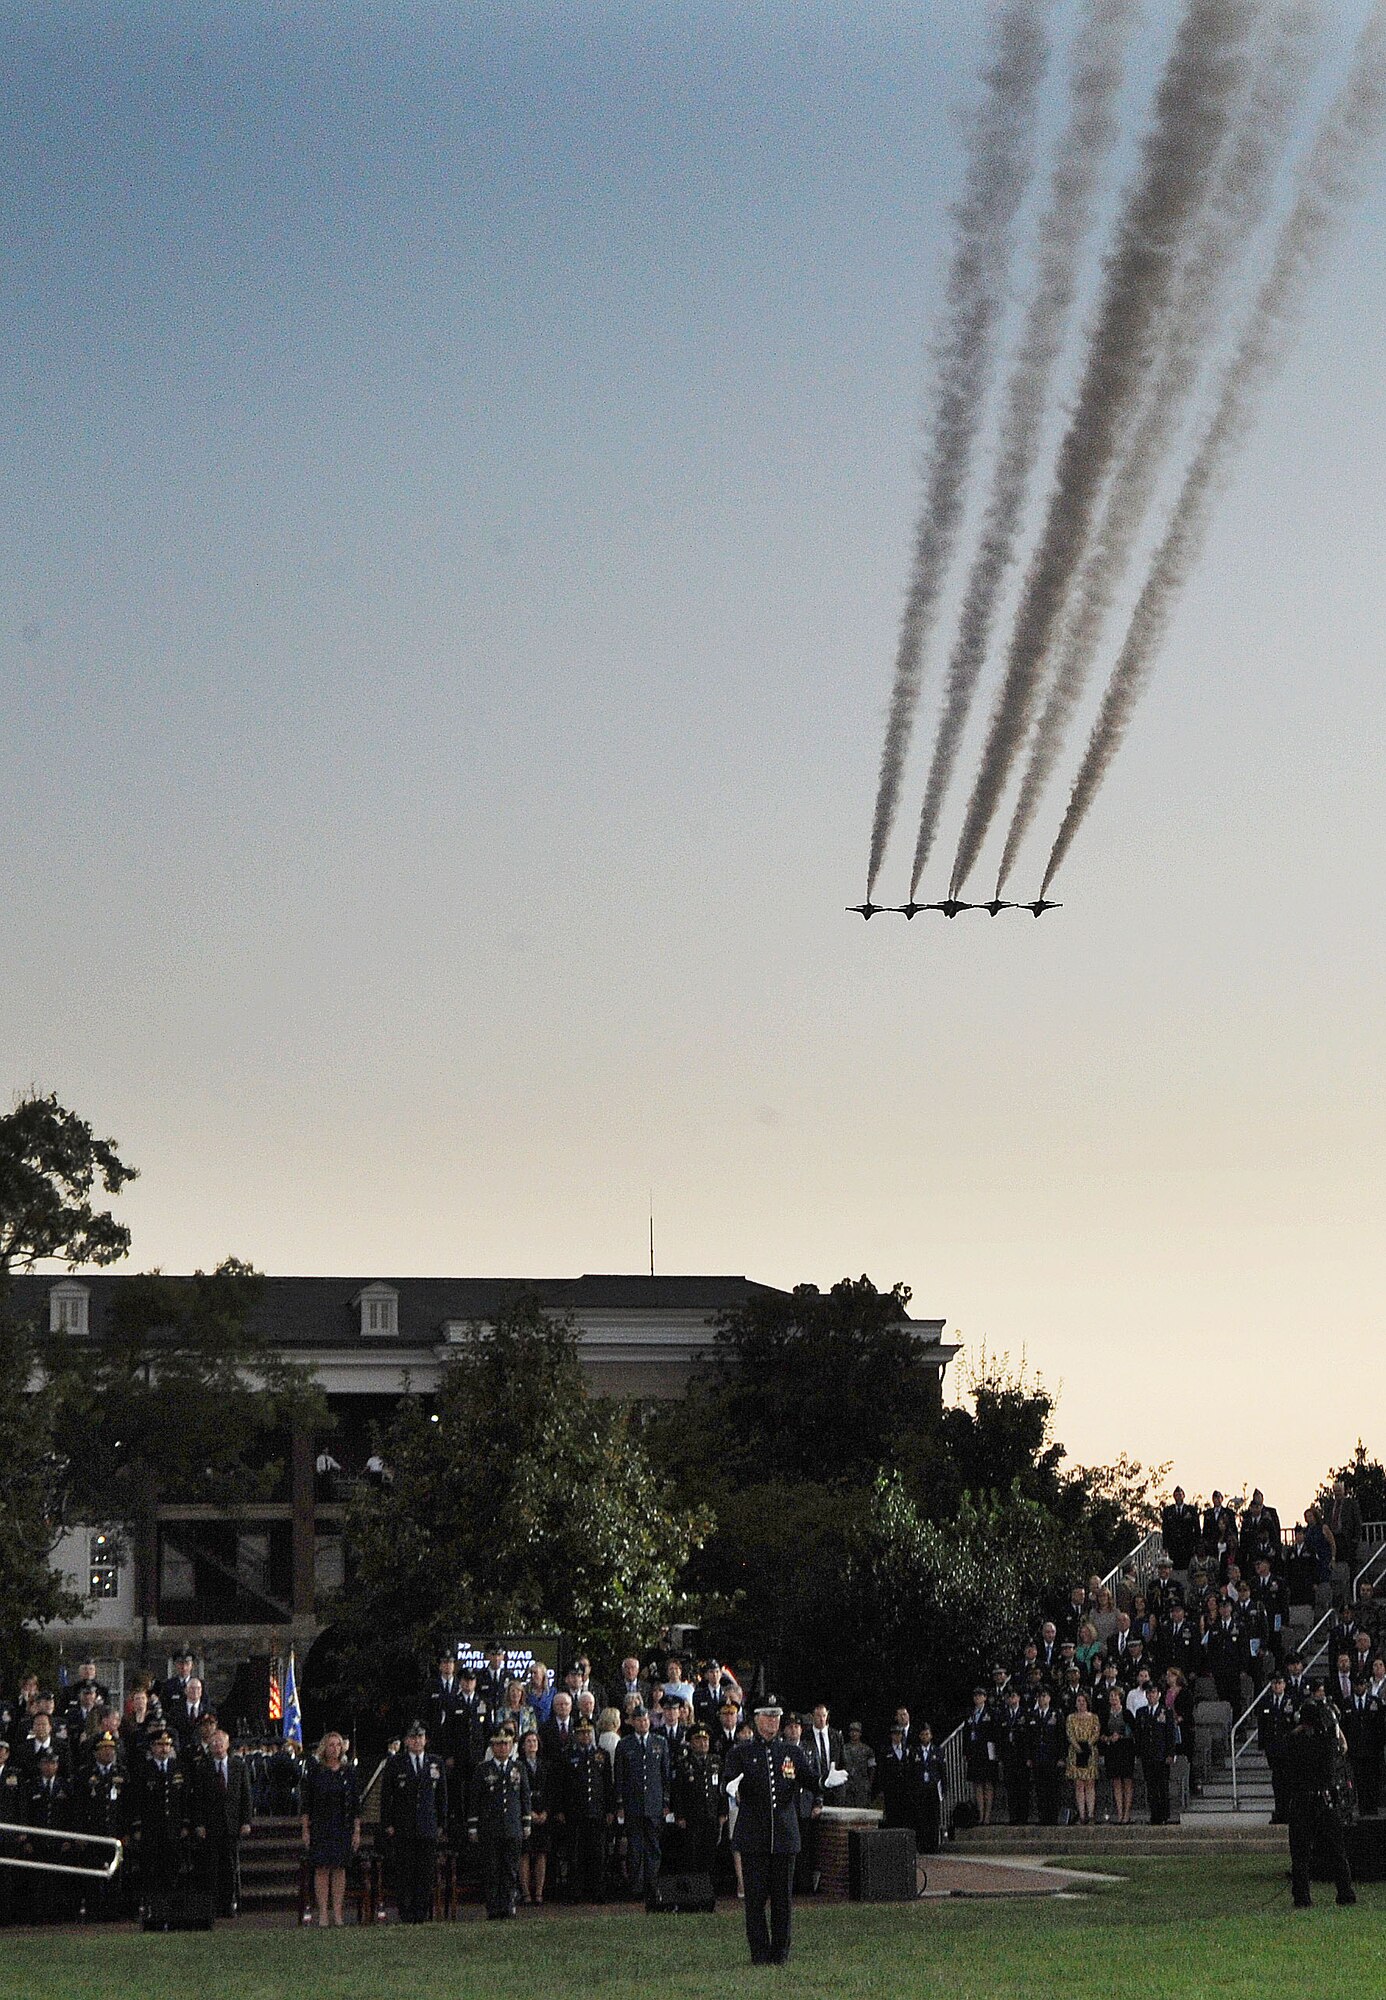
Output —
<point x="952" y="907"/>
<point x="866" y="910"/>
<point x="996" y="905"/>
<point x="909" y="911"/>
<point x="1039" y="906"/>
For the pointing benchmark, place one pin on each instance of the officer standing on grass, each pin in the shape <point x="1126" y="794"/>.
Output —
<point x="1315" y="1811"/>
<point x="500" y="1821"/>
<point x="772" y="1774"/>
<point x="414" y="1817"/>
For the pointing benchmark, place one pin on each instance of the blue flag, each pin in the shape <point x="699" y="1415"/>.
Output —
<point x="293" y="1718"/>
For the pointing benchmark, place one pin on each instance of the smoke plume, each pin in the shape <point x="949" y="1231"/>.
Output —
<point x="1097" y="71"/>
<point x="1246" y="178"/>
<point x="997" y="172"/>
<point x="1177" y="166"/>
<point x="1329" y="182"/>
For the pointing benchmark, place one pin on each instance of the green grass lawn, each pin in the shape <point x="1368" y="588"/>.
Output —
<point x="1178" y="1927"/>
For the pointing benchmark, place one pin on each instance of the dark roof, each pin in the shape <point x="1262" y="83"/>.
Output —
<point x="320" y="1312"/>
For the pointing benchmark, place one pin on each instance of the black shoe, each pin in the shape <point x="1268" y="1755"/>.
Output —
<point x="1346" y="1902"/>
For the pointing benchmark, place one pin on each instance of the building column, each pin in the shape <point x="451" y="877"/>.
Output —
<point x="303" y="1497"/>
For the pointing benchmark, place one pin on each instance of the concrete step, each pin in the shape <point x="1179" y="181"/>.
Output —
<point x="1214" y="1830"/>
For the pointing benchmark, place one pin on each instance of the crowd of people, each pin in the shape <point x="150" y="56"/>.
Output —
<point x="1111" y="1682"/>
<point x="552" y="1786"/>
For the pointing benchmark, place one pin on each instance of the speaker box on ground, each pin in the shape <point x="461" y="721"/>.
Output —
<point x="185" y="1910"/>
<point x="881" y="1865"/>
<point x="681" y="1895"/>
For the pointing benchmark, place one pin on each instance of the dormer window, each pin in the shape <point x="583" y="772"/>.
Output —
<point x="67" y="1309"/>
<point x="379" y="1312"/>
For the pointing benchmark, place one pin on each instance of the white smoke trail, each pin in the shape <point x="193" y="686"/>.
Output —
<point x="998" y="170"/>
<point x="1330" y="181"/>
<point x="1177" y="169"/>
<point x="1236" y="211"/>
<point x="1099" y="49"/>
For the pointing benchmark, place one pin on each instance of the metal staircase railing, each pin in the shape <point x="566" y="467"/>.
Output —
<point x="1374" y="1535"/>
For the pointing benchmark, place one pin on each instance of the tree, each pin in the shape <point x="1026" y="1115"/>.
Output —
<point x="50" y="1163"/>
<point x="177" y="1396"/>
<point x="867" y="1542"/>
<point x="177" y="1392"/>
<point x="519" y="1501"/>
<point x="1365" y="1480"/>
<point x="818" y="1386"/>
<point x="31" y="1590"/>
<point x="941" y="1602"/>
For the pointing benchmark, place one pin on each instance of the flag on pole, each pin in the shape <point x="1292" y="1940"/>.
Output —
<point x="276" y="1698"/>
<point x="293" y="1719"/>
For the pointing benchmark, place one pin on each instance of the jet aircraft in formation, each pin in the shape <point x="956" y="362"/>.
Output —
<point x="950" y="907"/>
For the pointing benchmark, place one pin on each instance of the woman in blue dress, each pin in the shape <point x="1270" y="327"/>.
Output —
<point x="331" y="1825"/>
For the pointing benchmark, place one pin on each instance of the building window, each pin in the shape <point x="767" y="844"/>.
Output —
<point x="252" y="1564"/>
<point x="67" y="1310"/>
<point x="103" y="1562"/>
<point x="379" y="1311"/>
<point x="329" y="1564"/>
<point x="177" y="1572"/>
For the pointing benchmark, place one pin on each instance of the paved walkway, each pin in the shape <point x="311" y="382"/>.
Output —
<point x="954" y="1875"/>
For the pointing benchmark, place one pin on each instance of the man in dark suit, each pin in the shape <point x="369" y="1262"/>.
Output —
<point x="444" y="1692"/>
<point x="896" y="1778"/>
<point x="821" y="1738"/>
<point x="631" y="1683"/>
<point x="414" y="1817"/>
<point x="222" y="1813"/>
<point x="724" y="1727"/>
<point x="767" y="1776"/>
<point x="1157" y="1745"/>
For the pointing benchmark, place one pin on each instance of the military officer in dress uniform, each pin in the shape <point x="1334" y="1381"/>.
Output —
<point x="643" y="1772"/>
<point x="11" y="1815"/>
<point x="696" y="1795"/>
<point x="1274" y="1724"/>
<point x="466" y="1745"/>
<point x="160" y="1812"/>
<point x="769" y="1775"/>
<point x="414" y="1816"/>
<point x="500" y="1821"/>
<point x="585" y="1813"/>
<point x="103" y="1808"/>
<point x="48" y="1803"/>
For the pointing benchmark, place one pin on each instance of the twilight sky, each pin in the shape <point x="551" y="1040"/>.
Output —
<point x="461" y="471"/>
